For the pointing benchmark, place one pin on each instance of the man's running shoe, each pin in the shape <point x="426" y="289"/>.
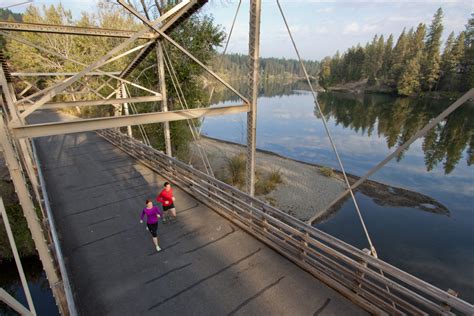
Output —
<point x="158" y="248"/>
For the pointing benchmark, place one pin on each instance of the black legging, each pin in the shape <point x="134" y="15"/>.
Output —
<point x="152" y="228"/>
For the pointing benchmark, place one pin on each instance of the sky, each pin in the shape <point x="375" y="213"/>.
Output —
<point x="319" y="27"/>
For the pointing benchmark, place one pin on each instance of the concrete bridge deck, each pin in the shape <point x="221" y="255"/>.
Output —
<point x="208" y="266"/>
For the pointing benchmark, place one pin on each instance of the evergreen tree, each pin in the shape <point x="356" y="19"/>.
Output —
<point x="8" y="15"/>
<point x="370" y="63"/>
<point x="379" y="56"/>
<point x="432" y="60"/>
<point x="416" y="42"/>
<point x="398" y="56"/>
<point x="467" y="65"/>
<point x="451" y="63"/>
<point x="447" y="67"/>
<point x="325" y="73"/>
<point x="388" y="56"/>
<point x="409" y="83"/>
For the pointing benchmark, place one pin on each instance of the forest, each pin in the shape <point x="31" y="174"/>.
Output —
<point x="417" y="64"/>
<point x="236" y="65"/>
<point x="69" y="53"/>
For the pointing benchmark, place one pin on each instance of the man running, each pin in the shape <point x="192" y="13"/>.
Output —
<point x="167" y="199"/>
<point x="152" y="214"/>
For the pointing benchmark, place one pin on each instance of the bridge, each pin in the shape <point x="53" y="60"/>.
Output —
<point x="228" y="252"/>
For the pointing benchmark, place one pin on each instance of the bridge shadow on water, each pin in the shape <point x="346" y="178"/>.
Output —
<point x="207" y="265"/>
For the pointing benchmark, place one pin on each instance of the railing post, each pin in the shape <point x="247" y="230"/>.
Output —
<point x="445" y="306"/>
<point x="364" y="263"/>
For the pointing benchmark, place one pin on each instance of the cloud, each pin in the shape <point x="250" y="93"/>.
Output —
<point x="351" y="28"/>
<point x="355" y="28"/>
<point x="324" y="10"/>
<point x="400" y="18"/>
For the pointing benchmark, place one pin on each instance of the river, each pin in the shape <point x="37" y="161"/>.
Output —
<point x="438" y="248"/>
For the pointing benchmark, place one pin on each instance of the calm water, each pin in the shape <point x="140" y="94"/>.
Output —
<point x="437" y="248"/>
<point x="37" y="282"/>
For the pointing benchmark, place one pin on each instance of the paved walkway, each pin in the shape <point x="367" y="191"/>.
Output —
<point x="207" y="266"/>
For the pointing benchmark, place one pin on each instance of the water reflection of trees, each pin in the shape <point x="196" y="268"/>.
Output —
<point x="398" y="119"/>
<point x="268" y="88"/>
<point x="10" y="280"/>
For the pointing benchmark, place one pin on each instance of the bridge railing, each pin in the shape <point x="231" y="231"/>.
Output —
<point x="375" y="285"/>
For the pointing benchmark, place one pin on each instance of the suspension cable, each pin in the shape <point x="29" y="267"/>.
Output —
<point x="184" y="104"/>
<point x="372" y="248"/>
<point x="401" y="148"/>
<point x="222" y="54"/>
<point x="141" y="128"/>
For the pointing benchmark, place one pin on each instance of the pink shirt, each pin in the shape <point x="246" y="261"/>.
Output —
<point x="151" y="214"/>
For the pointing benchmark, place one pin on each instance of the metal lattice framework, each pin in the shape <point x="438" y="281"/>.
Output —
<point x="16" y="133"/>
<point x="373" y="284"/>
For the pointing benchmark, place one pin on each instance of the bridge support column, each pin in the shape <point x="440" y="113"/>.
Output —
<point x="254" y="65"/>
<point x="12" y="160"/>
<point x="164" y="101"/>
<point x="123" y="94"/>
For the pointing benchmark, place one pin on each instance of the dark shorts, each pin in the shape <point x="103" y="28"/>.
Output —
<point x="153" y="228"/>
<point x="168" y="207"/>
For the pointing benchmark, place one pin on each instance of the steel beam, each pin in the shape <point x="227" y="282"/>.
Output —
<point x="14" y="304"/>
<point x="66" y="81"/>
<point x="29" y="211"/>
<point x="99" y="62"/>
<point x="58" y="128"/>
<point x="183" y="50"/>
<point x="254" y="55"/>
<point x="69" y="30"/>
<point x="19" y="266"/>
<point x="125" y="100"/>
<point x="58" y="105"/>
<point x="12" y="161"/>
<point x="166" y="27"/>
<point x="164" y="103"/>
<point x="63" y="74"/>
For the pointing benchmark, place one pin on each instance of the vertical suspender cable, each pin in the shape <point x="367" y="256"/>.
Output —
<point x="372" y="248"/>
<point x="191" y="125"/>
<point x="228" y="41"/>
<point x="223" y="53"/>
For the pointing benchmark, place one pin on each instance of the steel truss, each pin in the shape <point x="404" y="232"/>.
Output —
<point x="372" y="283"/>
<point x="15" y="132"/>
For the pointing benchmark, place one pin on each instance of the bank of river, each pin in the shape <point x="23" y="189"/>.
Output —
<point x="435" y="246"/>
<point x="305" y="190"/>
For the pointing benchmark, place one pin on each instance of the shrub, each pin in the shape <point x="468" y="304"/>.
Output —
<point x="236" y="169"/>
<point x="327" y="172"/>
<point x="268" y="184"/>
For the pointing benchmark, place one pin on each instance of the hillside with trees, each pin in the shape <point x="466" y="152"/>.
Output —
<point x="69" y="53"/>
<point x="236" y="66"/>
<point x="417" y="63"/>
<point x="8" y="15"/>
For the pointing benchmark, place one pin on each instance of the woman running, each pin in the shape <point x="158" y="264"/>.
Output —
<point x="167" y="199"/>
<point x="152" y="214"/>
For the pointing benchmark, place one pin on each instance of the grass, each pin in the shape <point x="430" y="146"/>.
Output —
<point x="234" y="173"/>
<point x="236" y="170"/>
<point x="327" y="172"/>
<point x="268" y="183"/>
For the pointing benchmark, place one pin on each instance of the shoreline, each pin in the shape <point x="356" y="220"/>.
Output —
<point x="305" y="191"/>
